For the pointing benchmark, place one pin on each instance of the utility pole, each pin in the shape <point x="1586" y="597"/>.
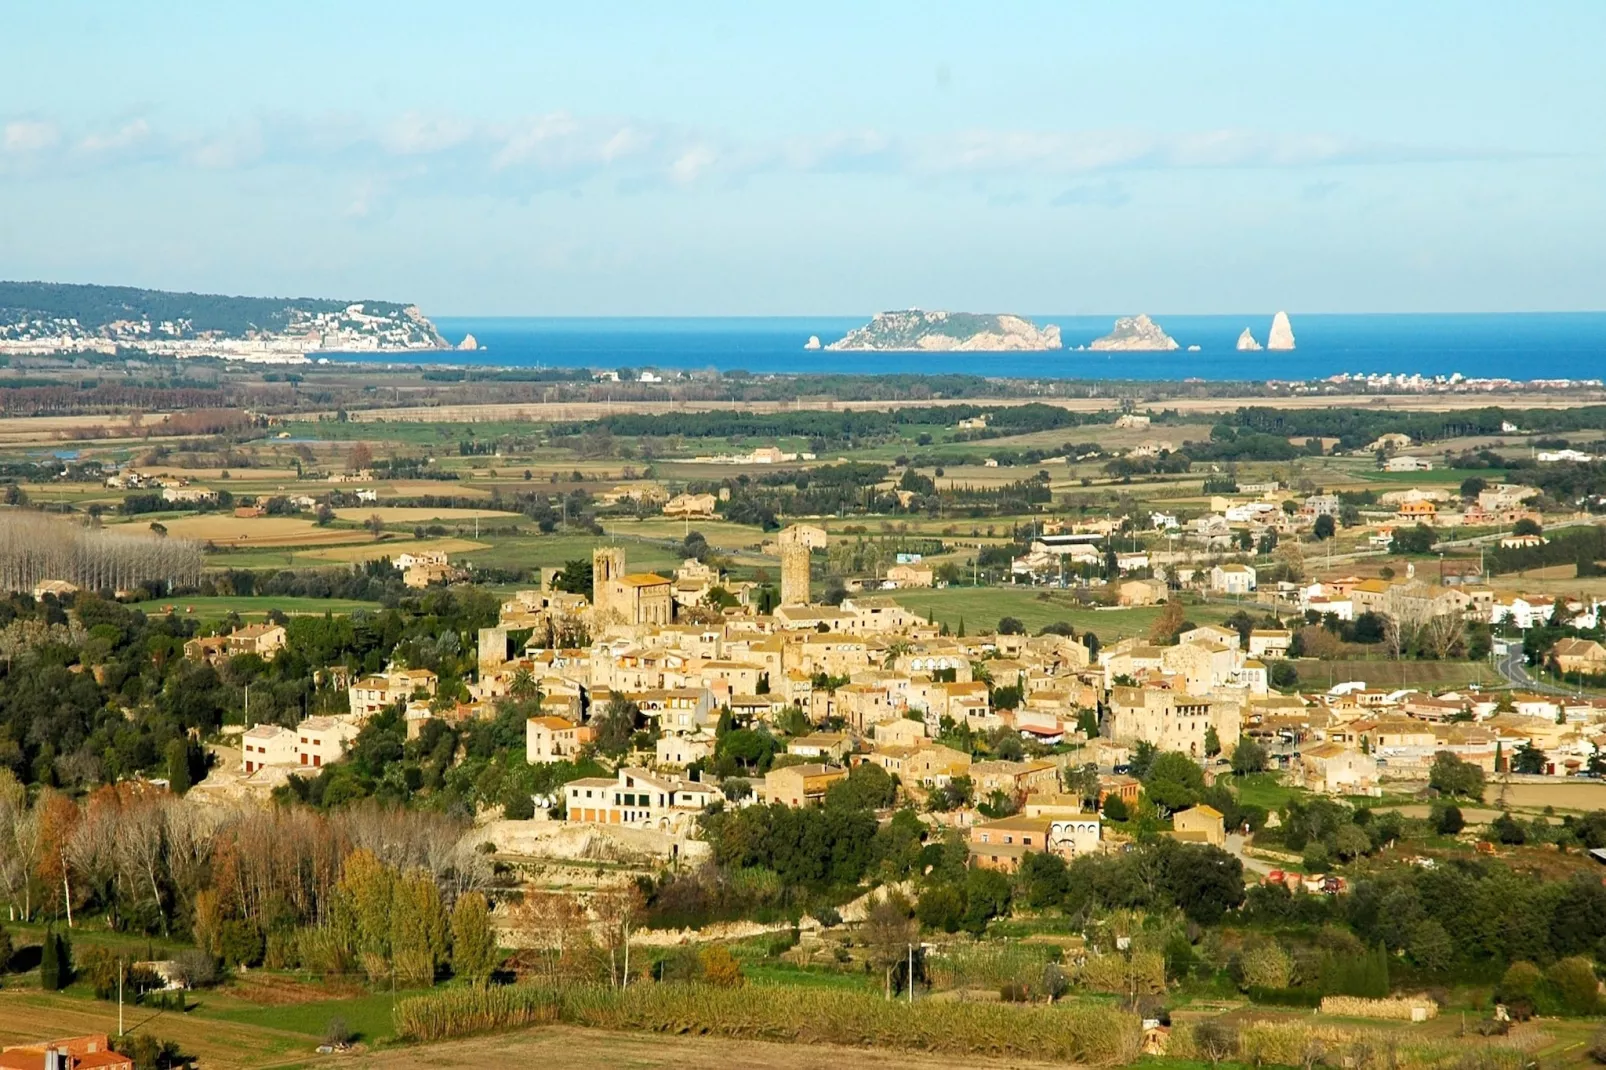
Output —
<point x="120" y="997"/>
<point x="910" y="978"/>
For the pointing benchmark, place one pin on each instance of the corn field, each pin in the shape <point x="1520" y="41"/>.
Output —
<point x="1065" y="1032"/>
<point x="1403" y="1009"/>
<point x="35" y="548"/>
<point x="1290" y="1043"/>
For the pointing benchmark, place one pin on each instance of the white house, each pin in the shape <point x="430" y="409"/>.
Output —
<point x="323" y="740"/>
<point x="1233" y="579"/>
<point x="267" y="744"/>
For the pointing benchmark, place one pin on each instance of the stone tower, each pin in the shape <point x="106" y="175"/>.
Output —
<point x="607" y="569"/>
<point x="794" y="575"/>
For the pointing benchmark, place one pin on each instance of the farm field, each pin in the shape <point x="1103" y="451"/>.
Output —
<point x="215" y="606"/>
<point x="591" y="1049"/>
<point x="226" y="530"/>
<point x="553" y="551"/>
<point x="406" y="514"/>
<point x="720" y="534"/>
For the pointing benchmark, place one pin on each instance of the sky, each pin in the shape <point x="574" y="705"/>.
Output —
<point x="711" y="158"/>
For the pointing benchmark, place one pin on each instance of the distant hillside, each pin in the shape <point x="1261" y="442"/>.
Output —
<point x="50" y="317"/>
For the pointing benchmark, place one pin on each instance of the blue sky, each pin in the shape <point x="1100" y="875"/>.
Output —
<point x="749" y="159"/>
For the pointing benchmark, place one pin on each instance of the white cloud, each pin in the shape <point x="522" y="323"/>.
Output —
<point x="26" y="136"/>
<point x="692" y="164"/>
<point x="415" y="134"/>
<point x="127" y="137"/>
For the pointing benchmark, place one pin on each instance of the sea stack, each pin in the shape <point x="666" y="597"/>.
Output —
<point x="1282" y="333"/>
<point x="1246" y="341"/>
<point x="813" y="342"/>
<point x="468" y="343"/>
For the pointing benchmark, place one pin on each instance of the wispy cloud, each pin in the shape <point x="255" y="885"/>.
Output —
<point x="558" y="148"/>
<point x="1106" y="194"/>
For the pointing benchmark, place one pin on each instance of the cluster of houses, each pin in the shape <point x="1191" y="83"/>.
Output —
<point x="879" y="684"/>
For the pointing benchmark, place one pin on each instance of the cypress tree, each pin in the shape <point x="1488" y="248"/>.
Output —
<point x="49" y="964"/>
<point x="55" y="962"/>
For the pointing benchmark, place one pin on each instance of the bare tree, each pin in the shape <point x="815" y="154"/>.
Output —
<point x="618" y="912"/>
<point x="1441" y="634"/>
<point x="890" y="931"/>
<point x="552" y="926"/>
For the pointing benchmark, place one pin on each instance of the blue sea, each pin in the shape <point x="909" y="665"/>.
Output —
<point x="1522" y="346"/>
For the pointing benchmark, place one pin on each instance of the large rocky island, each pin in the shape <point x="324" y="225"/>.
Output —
<point x="55" y="318"/>
<point x="936" y="331"/>
<point x="1135" y="333"/>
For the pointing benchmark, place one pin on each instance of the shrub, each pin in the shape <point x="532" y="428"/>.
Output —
<point x="337" y="1034"/>
<point x="99" y="966"/>
<point x="1597" y="1045"/>
<point x="1214" y="1040"/>
<point x="1266" y="965"/>
<point x="720" y="968"/>
<point x="1575" y="984"/>
<point x="1520" y="981"/>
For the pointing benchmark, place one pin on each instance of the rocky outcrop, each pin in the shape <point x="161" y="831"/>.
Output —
<point x="813" y="342"/>
<point x="1246" y="341"/>
<point x="1135" y="333"/>
<point x="938" y="331"/>
<point x="1282" y="333"/>
<point x="468" y="344"/>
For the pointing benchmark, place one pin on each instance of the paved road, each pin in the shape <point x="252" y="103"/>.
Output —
<point x="1235" y="847"/>
<point x="1513" y="668"/>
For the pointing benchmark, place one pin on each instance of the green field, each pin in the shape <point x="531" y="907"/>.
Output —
<point x="553" y="551"/>
<point x="211" y="608"/>
<point x="1036" y="607"/>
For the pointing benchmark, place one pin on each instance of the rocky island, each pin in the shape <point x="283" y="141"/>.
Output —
<point x="1282" y="333"/>
<point x="46" y="318"/>
<point x="966" y="332"/>
<point x="1135" y="333"/>
<point x="1246" y="341"/>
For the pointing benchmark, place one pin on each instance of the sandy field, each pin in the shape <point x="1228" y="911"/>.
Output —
<point x="1563" y="795"/>
<point x="18" y="430"/>
<point x="374" y="551"/>
<point x="1473" y="815"/>
<point x="405" y="514"/>
<point x="226" y="530"/>
<point x="287" y="476"/>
